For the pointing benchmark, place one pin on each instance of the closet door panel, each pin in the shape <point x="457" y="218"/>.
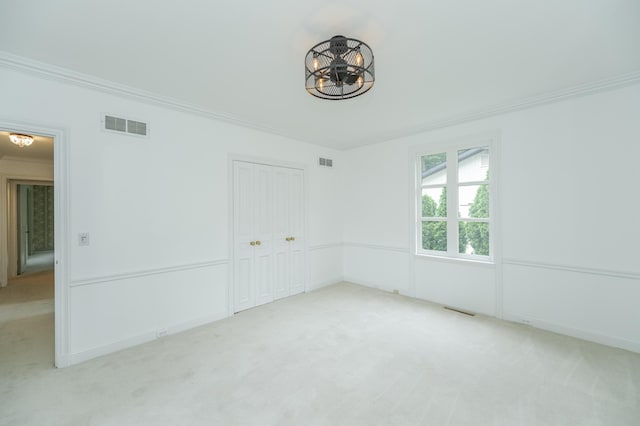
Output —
<point x="281" y="232"/>
<point x="263" y="218"/>
<point x="244" y="294"/>
<point x="296" y="205"/>
<point x="296" y="230"/>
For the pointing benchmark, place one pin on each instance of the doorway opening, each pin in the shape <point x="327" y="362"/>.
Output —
<point x="28" y="220"/>
<point x="34" y="207"/>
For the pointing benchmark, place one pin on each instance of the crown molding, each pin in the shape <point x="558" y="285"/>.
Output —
<point x="55" y="73"/>
<point x="60" y="74"/>
<point x="46" y="161"/>
<point x="571" y="92"/>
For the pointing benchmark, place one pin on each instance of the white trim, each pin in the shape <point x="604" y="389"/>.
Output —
<point x="325" y="246"/>
<point x="574" y="332"/>
<point x="451" y="147"/>
<point x="65" y="75"/>
<point x="572" y="268"/>
<point x="146" y="272"/>
<point x="571" y="92"/>
<point x="326" y="283"/>
<point x="27" y="160"/>
<point x="141" y="338"/>
<point x="377" y="247"/>
<point x="456" y="260"/>
<point x="62" y="243"/>
<point x="55" y="73"/>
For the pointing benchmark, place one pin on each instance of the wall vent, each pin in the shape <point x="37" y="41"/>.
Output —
<point x="123" y="125"/>
<point x="325" y="162"/>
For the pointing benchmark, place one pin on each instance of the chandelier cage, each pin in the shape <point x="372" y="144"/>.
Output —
<point x="339" y="68"/>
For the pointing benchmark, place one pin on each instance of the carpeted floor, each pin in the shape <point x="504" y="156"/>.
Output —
<point x="28" y="288"/>
<point x="342" y="355"/>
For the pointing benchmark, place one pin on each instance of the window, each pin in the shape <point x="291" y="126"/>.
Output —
<point x="454" y="203"/>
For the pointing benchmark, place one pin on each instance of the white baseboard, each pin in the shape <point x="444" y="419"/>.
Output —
<point x="326" y="283"/>
<point x="88" y="354"/>
<point x="616" y="342"/>
<point x="360" y="282"/>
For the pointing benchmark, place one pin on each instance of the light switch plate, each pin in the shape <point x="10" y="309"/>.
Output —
<point x="83" y="239"/>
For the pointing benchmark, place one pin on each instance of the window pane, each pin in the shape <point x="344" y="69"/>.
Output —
<point x="434" y="235"/>
<point x="473" y="164"/>
<point x="434" y="169"/>
<point x="473" y="201"/>
<point x="473" y="238"/>
<point x="434" y="202"/>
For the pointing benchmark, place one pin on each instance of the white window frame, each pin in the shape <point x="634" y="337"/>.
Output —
<point x="452" y="185"/>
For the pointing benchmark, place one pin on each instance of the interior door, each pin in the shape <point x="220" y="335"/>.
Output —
<point x="296" y="231"/>
<point x="263" y="232"/>
<point x="268" y="233"/>
<point x="244" y="270"/>
<point x="281" y="233"/>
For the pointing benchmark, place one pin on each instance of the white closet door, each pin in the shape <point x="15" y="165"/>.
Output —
<point x="268" y="233"/>
<point x="281" y="233"/>
<point x="263" y="232"/>
<point x="296" y="230"/>
<point x="244" y="270"/>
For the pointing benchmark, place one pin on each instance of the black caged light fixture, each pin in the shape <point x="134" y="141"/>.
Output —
<point x="339" y="68"/>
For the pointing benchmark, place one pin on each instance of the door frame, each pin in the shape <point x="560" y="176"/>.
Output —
<point x="13" y="221"/>
<point x="231" y="237"/>
<point x="61" y="225"/>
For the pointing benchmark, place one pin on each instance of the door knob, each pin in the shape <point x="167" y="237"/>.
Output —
<point x="258" y="243"/>
<point x="253" y="243"/>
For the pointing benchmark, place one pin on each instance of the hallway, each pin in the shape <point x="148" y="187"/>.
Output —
<point x="39" y="262"/>
<point x="26" y="324"/>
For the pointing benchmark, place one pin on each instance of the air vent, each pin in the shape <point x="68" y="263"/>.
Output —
<point x="137" y="127"/>
<point x="114" y="123"/>
<point x="325" y="162"/>
<point x="123" y="125"/>
<point x="459" y="311"/>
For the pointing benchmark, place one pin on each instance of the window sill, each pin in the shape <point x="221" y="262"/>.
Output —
<point x="456" y="260"/>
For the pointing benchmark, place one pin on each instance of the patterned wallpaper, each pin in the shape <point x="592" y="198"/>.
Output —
<point x="42" y="217"/>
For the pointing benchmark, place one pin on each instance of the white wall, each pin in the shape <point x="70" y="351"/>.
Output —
<point x="157" y="211"/>
<point x="15" y="168"/>
<point x="569" y="259"/>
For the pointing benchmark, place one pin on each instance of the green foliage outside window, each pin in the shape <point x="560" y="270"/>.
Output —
<point x="478" y="232"/>
<point x="434" y="233"/>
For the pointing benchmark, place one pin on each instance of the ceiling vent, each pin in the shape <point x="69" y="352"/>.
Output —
<point x="123" y="125"/>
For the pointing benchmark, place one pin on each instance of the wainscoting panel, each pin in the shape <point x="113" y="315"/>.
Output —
<point x="325" y="265"/>
<point x="458" y="284"/>
<point x="112" y="315"/>
<point x="386" y="268"/>
<point x="600" y="307"/>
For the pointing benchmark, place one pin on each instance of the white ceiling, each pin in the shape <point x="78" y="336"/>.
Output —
<point x="434" y="59"/>
<point x="40" y="149"/>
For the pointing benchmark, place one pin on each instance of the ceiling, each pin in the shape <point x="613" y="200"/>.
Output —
<point x="40" y="149"/>
<point x="244" y="59"/>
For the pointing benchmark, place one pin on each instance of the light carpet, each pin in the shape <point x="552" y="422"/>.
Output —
<point x="342" y="355"/>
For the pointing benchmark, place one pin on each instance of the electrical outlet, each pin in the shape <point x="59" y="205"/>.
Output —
<point x="83" y="239"/>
